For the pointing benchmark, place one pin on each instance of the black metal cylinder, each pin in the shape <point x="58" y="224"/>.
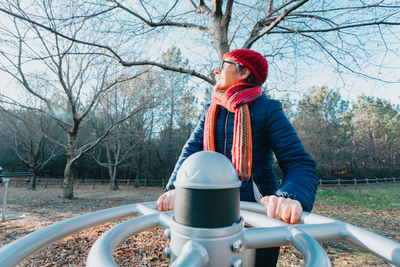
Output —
<point x="207" y="208"/>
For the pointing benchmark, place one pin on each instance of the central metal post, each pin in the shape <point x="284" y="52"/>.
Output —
<point x="207" y="225"/>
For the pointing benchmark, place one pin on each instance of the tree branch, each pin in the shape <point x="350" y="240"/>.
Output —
<point x="90" y="146"/>
<point x="217" y="7"/>
<point x="30" y="125"/>
<point x="102" y="91"/>
<point x="201" y="8"/>
<point x="269" y="8"/>
<point x="256" y="34"/>
<point x="339" y="27"/>
<point x="116" y="55"/>
<point x="340" y="63"/>
<point x="171" y="68"/>
<point x="162" y="23"/>
<point x="228" y="13"/>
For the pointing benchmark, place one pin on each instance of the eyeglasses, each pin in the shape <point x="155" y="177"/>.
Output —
<point x="221" y="64"/>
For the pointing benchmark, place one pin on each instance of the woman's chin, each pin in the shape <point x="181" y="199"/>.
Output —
<point x="219" y="88"/>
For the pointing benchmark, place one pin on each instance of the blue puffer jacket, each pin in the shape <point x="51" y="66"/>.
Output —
<point x="271" y="132"/>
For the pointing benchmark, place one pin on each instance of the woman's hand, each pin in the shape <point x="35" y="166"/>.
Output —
<point x="284" y="209"/>
<point x="166" y="201"/>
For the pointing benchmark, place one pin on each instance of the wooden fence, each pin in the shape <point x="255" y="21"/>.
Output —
<point x="357" y="182"/>
<point x="23" y="180"/>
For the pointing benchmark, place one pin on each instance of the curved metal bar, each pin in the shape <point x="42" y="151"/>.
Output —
<point x="312" y="251"/>
<point x="265" y="237"/>
<point x="193" y="254"/>
<point x="377" y="244"/>
<point x="260" y="220"/>
<point x="326" y="229"/>
<point x="312" y="218"/>
<point x="306" y="217"/>
<point x="256" y="237"/>
<point x="316" y="226"/>
<point x="18" y="250"/>
<point x="145" y="208"/>
<point x="252" y="206"/>
<point x="100" y="255"/>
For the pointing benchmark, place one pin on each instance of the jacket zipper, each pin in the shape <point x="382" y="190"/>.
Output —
<point x="226" y="131"/>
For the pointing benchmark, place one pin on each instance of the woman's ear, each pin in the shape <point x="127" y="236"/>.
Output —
<point x="244" y="74"/>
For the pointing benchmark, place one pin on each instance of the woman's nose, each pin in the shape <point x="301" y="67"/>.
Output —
<point x="217" y="71"/>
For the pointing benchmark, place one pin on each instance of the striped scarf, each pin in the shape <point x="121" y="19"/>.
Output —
<point x="235" y="99"/>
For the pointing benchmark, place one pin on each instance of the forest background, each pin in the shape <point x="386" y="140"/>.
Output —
<point x="113" y="89"/>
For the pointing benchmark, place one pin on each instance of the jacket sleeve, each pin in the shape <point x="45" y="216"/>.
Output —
<point x="300" y="176"/>
<point x="193" y="144"/>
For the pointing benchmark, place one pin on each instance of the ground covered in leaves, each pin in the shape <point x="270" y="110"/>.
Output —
<point x="376" y="209"/>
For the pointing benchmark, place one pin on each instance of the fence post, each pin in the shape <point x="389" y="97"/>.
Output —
<point x="367" y="181"/>
<point x="355" y="182"/>
<point x="338" y="180"/>
<point x="376" y="180"/>
<point x="385" y="180"/>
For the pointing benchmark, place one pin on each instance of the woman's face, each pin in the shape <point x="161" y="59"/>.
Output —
<point x="228" y="76"/>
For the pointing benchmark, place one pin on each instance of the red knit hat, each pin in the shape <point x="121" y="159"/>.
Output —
<point x="252" y="60"/>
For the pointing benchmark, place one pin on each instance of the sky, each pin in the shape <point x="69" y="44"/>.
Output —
<point x="350" y="87"/>
<point x="307" y="75"/>
<point x="355" y="86"/>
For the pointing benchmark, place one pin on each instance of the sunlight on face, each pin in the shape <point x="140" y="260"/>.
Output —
<point x="227" y="77"/>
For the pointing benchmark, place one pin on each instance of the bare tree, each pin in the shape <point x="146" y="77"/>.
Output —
<point x="117" y="149"/>
<point x="33" y="149"/>
<point x="68" y="80"/>
<point x="126" y="137"/>
<point x="352" y="37"/>
<point x="347" y="35"/>
<point x="176" y="85"/>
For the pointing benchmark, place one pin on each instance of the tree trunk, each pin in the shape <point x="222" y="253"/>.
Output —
<point x="168" y="167"/>
<point x="140" y="137"/>
<point x="113" y="178"/>
<point x="150" y="164"/>
<point x="32" y="181"/>
<point x="140" y="162"/>
<point x="68" y="183"/>
<point x="220" y="40"/>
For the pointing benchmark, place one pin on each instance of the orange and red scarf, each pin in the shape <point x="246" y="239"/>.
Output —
<point x="236" y="100"/>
